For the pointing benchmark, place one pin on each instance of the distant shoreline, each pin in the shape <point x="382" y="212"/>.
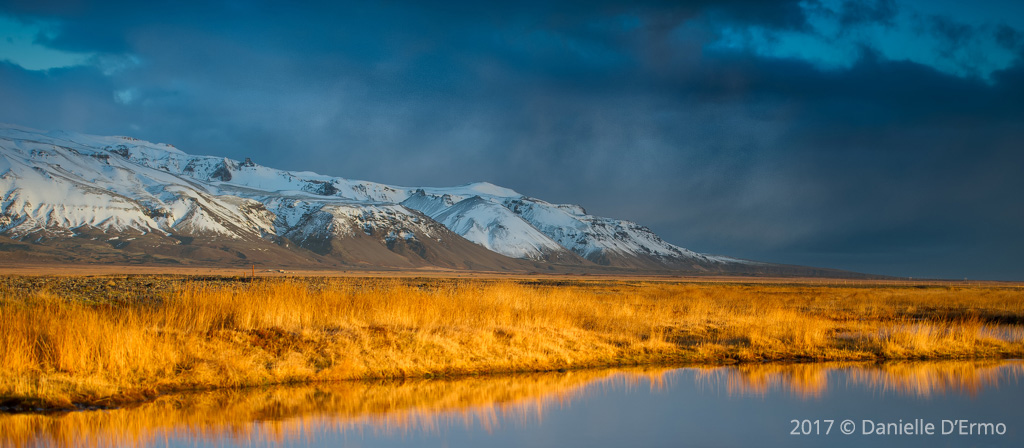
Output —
<point x="263" y="271"/>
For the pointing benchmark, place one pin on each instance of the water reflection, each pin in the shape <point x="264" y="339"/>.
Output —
<point x="409" y="409"/>
<point x="921" y="379"/>
<point x="287" y="412"/>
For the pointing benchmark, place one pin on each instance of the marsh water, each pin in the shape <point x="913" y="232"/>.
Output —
<point x="949" y="403"/>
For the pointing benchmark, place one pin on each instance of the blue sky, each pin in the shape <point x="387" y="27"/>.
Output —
<point x="877" y="136"/>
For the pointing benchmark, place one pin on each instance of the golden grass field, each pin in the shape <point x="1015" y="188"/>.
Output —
<point x="130" y="338"/>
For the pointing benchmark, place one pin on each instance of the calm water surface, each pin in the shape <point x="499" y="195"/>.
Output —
<point x="758" y="405"/>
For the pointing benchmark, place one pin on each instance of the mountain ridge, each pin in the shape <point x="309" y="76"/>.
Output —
<point x="80" y="195"/>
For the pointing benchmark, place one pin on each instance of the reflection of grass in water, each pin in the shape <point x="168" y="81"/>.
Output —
<point x="287" y="413"/>
<point x="405" y="408"/>
<point x="803" y="380"/>
<point x="938" y="378"/>
<point x="55" y="352"/>
<point x="810" y="380"/>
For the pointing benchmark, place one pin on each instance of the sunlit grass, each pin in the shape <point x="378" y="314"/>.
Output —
<point x="56" y="352"/>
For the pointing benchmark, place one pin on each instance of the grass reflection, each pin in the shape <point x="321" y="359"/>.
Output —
<point x="908" y="378"/>
<point x="283" y="413"/>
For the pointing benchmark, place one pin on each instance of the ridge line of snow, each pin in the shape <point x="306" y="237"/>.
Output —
<point x="159" y="187"/>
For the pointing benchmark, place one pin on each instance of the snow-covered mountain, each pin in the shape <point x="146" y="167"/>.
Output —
<point x="89" y="197"/>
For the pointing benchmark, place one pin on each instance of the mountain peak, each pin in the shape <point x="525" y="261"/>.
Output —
<point x="489" y="189"/>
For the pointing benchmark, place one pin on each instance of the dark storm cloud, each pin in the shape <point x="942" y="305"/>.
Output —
<point x="953" y="32"/>
<point x="887" y="159"/>
<point x="874" y="92"/>
<point x="77" y="98"/>
<point x="1009" y="37"/>
<point x="627" y="108"/>
<point x="878" y="12"/>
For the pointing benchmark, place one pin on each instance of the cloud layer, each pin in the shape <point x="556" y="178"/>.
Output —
<point x="873" y="136"/>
